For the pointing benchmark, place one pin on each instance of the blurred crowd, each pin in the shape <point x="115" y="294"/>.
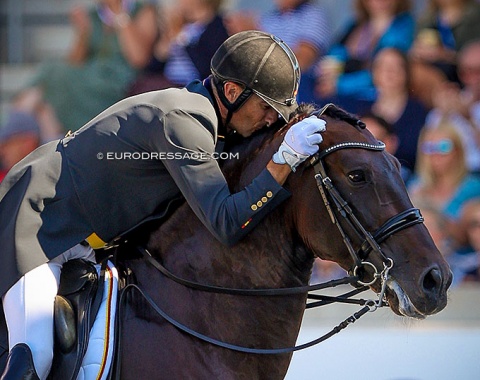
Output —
<point x="414" y="78"/>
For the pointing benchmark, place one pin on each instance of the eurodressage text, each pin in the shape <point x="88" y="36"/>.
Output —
<point x="202" y="156"/>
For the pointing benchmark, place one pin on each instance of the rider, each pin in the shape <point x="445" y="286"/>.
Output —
<point x="123" y="167"/>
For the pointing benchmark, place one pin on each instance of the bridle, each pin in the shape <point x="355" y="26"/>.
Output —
<point x="370" y="242"/>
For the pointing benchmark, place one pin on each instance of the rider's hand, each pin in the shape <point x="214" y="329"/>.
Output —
<point x="300" y="142"/>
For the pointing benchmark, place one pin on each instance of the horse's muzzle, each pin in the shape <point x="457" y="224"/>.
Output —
<point x="435" y="284"/>
<point x="429" y="297"/>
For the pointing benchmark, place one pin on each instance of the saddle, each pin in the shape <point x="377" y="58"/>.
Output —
<point x="83" y="348"/>
<point x="85" y="309"/>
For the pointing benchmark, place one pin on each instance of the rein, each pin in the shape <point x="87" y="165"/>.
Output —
<point x="243" y="292"/>
<point x="368" y="305"/>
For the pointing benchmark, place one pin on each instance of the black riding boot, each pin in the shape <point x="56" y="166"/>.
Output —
<point x="20" y="364"/>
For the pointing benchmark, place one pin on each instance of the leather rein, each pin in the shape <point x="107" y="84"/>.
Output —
<point x="370" y="243"/>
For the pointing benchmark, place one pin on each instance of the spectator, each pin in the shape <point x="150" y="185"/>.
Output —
<point x="443" y="181"/>
<point x="378" y="24"/>
<point x="443" y="184"/>
<point x="446" y="27"/>
<point x="19" y="137"/>
<point x="191" y="32"/>
<point x="466" y="265"/>
<point x="462" y="106"/>
<point x="111" y="41"/>
<point x="396" y="104"/>
<point x="383" y="131"/>
<point x="302" y="24"/>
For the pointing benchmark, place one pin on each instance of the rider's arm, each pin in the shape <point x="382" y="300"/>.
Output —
<point x="229" y="217"/>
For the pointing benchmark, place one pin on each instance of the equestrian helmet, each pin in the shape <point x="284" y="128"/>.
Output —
<point x="264" y="64"/>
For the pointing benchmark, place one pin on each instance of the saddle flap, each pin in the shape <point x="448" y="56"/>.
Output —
<point x="73" y="319"/>
<point x="85" y="322"/>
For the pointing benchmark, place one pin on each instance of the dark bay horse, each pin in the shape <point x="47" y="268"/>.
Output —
<point x="279" y="253"/>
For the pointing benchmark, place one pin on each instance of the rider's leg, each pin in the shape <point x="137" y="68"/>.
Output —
<point x="29" y="305"/>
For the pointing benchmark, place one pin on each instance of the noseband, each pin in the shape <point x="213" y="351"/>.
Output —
<point x="370" y="241"/>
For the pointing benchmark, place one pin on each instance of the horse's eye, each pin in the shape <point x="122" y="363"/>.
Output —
<point x="356" y="176"/>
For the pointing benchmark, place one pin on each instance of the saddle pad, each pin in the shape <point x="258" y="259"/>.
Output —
<point x="98" y="358"/>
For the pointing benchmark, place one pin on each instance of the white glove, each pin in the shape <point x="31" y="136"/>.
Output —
<point x="300" y="142"/>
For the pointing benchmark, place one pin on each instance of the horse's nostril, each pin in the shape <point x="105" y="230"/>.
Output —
<point x="432" y="281"/>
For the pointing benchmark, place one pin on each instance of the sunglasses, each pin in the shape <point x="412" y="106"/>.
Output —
<point x="444" y="146"/>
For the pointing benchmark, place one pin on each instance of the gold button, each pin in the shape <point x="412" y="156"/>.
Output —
<point x="269" y="194"/>
<point x="254" y="207"/>
<point x="259" y="203"/>
<point x="264" y="199"/>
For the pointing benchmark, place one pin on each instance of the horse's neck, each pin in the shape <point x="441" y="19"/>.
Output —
<point x="270" y="256"/>
<point x="266" y="258"/>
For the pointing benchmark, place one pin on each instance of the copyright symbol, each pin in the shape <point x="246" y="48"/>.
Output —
<point x="100" y="155"/>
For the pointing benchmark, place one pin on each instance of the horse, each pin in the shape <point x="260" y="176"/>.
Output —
<point x="377" y="236"/>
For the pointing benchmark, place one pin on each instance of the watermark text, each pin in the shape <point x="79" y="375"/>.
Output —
<point x="148" y="156"/>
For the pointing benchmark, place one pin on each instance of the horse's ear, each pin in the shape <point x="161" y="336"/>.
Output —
<point x="361" y="124"/>
<point x="301" y="112"/>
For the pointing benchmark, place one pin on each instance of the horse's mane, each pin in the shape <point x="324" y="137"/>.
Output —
<point x="261" y="146"/>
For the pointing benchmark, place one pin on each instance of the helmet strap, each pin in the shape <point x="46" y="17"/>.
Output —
<point x="235" y="106"/>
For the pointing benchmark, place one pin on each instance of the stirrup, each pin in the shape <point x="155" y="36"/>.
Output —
<point x="20" y="364"/>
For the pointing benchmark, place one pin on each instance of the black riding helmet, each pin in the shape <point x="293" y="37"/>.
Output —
<point x="264" y="64"/>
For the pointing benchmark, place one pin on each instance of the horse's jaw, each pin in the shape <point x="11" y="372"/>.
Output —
<point x="399" y="301"/>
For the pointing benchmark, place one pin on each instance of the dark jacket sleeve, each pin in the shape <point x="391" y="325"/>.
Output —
<point x="228" y="216"/>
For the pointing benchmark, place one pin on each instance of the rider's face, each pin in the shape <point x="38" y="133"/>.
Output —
<point x="252" y="116"/>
